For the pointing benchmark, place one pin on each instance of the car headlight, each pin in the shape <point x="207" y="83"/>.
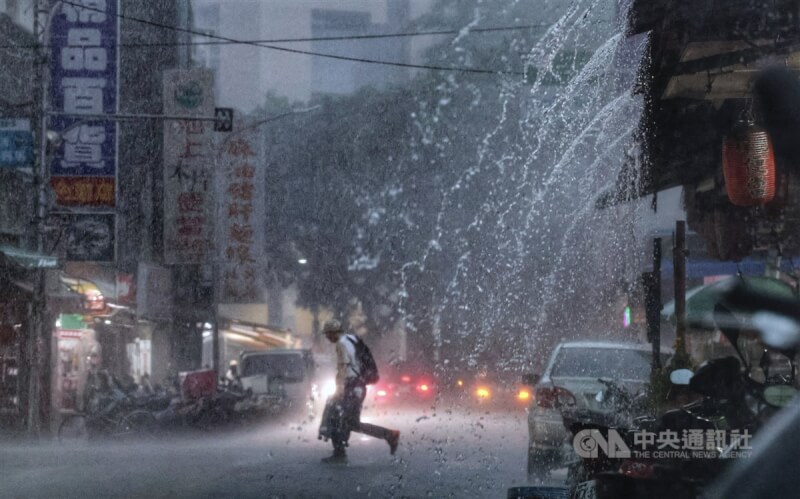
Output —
<point x="329" y="388"/>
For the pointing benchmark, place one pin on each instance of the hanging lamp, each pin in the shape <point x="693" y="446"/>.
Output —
<point x="748" y="164"/>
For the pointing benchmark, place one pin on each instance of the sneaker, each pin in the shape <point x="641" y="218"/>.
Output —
<point x="335" y="459"/>
<point x="393" y="440"/>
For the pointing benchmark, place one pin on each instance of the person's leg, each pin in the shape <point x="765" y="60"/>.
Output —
<point x="392" y="437"/>
<point x="339" y="445"/>
<point x="339" y="455"/>
<point x="373" y="430"/>
<point x="339" y="434"/>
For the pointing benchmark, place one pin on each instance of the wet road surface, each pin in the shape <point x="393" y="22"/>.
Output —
<point x="443" y="453"/>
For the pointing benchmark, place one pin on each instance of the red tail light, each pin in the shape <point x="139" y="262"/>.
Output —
<point x="553" y="397"/>
<point x="381" y="393"/>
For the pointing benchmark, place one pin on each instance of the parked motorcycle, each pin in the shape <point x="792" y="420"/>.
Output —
<point x="614" y="413"/>
<point x="733" y="406"/>
<point x="203" y="413"/>
<point x="617" y="410"/>
<point x="732" y="402"/>
<point x="771" y="469"/>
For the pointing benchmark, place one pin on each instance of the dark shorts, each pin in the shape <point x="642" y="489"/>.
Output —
<point x="351" y="405"/>
<point x="344" y="413"/>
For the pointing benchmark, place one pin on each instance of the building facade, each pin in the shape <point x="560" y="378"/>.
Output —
<point x="299" y="77"/>
<point x="91" y="304"/>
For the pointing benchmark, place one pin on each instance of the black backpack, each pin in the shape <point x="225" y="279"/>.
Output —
<point x="369" y="370"/>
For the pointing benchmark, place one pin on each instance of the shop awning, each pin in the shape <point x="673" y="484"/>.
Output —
<point x="60" y="299"/>
<point x="28" y="259"/>
<point x="261" y="336"/>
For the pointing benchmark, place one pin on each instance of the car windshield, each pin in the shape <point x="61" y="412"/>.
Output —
<point x="602" y="363"/>
<point x="286" y="366"/>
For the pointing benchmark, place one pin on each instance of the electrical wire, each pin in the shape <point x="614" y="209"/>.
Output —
<point x="297" y="51"/>
<point x="311" y="39"/>
<point x="383" y="35"/>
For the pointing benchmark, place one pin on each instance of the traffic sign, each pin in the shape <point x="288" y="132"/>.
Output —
<point x="223" y="119"/>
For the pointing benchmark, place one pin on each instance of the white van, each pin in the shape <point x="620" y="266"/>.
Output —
<point x="280" y="379"/>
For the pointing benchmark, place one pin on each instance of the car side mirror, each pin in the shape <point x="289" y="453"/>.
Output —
<point x="531" y="379"/>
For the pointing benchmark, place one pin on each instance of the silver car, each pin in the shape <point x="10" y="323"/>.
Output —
<point x="573" y="371"/>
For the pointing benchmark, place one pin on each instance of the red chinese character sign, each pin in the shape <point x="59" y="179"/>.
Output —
<point x="241" y="215"/>
<point x="84" y="191"/>
<point x="188" y="167"/>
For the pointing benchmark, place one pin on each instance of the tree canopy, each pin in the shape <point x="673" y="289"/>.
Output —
<point x="457" y="204"/>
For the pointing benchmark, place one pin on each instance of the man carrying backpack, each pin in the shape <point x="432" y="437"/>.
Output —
<point x="355" y="369"/>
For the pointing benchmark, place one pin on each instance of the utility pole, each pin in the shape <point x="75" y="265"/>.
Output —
<point x="653" y="306"/>
<point x="38" y="344"/>
<point x="681" y="358"/>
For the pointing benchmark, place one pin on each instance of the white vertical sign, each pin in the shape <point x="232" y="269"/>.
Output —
<point x="188" y="167"/>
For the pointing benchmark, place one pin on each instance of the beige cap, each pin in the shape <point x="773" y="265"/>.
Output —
<point x="331" y="326"/>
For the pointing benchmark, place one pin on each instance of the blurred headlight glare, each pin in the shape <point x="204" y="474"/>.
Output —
<point x="328" y="388"/>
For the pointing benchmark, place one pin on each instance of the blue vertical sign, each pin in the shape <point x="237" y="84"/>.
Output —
<point x="16" y="143"/>
<point x="84" y="77"/>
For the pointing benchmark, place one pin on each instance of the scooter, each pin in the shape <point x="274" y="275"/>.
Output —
<point x="771" y="469"/>
<point x="619" y="410"/>
<point x="733" y="405"/>
<point x="607" y="426"/>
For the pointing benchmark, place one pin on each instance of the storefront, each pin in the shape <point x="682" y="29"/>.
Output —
<point x="19" y="348"/>
<point x="103" y="333"/>
<point x="13" y="322"/>
<point x="75" y="341"/>
<point x="124" y="340"/>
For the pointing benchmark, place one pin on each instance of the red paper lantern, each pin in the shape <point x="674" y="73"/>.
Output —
<point x="748" y="163"/>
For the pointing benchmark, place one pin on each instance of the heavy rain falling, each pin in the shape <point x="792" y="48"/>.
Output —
<point x="398" y="248"/>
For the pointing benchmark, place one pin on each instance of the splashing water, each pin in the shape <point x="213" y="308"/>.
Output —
<point x="528" y="258"/>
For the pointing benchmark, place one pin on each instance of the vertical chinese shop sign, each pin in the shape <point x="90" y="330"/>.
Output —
<point x="84" y="80"/>
<point x="241" y="216"/>
<point x="188" y="167"/>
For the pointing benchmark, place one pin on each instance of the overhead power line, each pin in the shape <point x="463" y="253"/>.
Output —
<point x="383" y="35"/>
<point x="302" y="52"/>
<point x="311" y="39"/>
